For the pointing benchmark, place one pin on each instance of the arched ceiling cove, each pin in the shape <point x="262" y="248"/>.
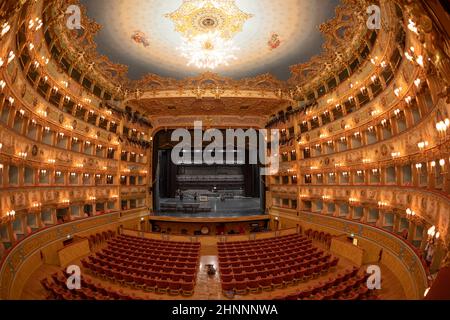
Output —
<point x="137" y="33"/>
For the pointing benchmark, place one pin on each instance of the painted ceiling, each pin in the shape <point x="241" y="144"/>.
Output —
<point x="280" y="33"/>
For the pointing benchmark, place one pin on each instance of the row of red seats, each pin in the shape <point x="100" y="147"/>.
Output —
<point x="150" y="260"/>
<point x="267" y="249"/>
<point x="321" y="236"/>
<point x="133" y="268"/>
<point x="153" y="242"/>
<point x="347" y="286"/>
<point x="101" y="237"/>
<point x="294" y="275"/>
<point x="271" y="270"/>
<point x="276" y="240"/>
<point x="275" y="257"/>
<point x="264" y="243"/>
<point x="173" y="284"/>
<point x="243" y="252"/>
<point x="294" y="244"/>
<point x="57" y="289"/>
<point x="322" y="262"/>
<point x="154" y="255"/>
<point x="130" y="266"/>
<point x="150" y="252"/>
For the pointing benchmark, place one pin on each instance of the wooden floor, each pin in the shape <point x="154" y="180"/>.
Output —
<point x="209" y="287"/>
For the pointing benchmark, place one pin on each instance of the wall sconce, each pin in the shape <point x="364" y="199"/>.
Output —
<point x="433" y="164"/>
<point x="22" y="155"/>
<point x="383" y="64"/>
<point x="5" y="28"/>
<point x="412" y="26"/>
<point x="417" y="82"/>
<point x="10" y="215"/>
<point x="51" y="161"/>
<point x="382" y="204"/>
<point x="418" y="166"/>
<point x="422" y="145"/>
<point x="11" y="56"/>
<point x="2" y="84"/>
<point x="395" y="154"/>
<point x="442" y="162"/>
<point x="433" y="234"/>
<point x="410" y="213"/>
<point x="443" y="125"/>
<point x="58" y="173"/>
<point x="397" y="91"/>
<point x="419" y="60"/>
<point x="408" y="99"/>
<point x="43" y="172"/>
<point x="36" y="205"/>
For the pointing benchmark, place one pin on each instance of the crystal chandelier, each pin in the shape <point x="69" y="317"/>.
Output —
<point x="208" y="51"/>
<point x="207" y="28"/>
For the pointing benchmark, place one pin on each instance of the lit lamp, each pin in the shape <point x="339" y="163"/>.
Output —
<point x="410" y="214"/>
<point x="433" y="235"/>
<point x="10" y="215"/>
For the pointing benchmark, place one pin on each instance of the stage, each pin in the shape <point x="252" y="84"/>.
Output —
<point x="212" y="208"/>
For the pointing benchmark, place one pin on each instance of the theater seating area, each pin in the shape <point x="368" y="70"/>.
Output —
<point x="349" y="285"/>
<point x="149" y="265"/>
<point x="268" y="264"/>
<point x="100" y="238"/>
<point x="321" y="236"/>
<point x="56" y="289"/>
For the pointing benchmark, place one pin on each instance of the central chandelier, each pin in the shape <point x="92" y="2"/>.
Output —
<point x="207" y="28"/>
<point x="208" y="51"/>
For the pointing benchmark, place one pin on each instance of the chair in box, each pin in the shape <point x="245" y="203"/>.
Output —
<point x="266" y="283"/>
<point x="292" y="296"/>
<point x="174" y="288"/>
<point x="162" y="286"/>
<point x="150" y="285"/>
<point x="277" y="282"/>
<point x="253" y="286"/>
<point x="227" y="286"/>
<point x="288" y="278"/>
<point x="227" y="277"/>
<point x="241" y="287"/>
<point x="187" y="288"/>
<point x="298" y="277"/>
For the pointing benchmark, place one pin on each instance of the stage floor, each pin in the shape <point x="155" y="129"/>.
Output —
<point x="217" y="208"/>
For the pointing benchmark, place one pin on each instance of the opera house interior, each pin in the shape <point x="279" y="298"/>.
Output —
<point x="224" y="150"/>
